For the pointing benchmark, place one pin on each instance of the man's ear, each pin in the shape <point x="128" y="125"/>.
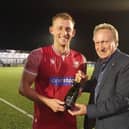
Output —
<point x="51" y="30"/>
<point x="74" y="32"/>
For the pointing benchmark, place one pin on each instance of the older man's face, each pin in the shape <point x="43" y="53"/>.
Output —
<point x="104" y="43"/>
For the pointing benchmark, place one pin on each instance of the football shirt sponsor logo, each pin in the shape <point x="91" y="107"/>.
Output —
<point x="61" y="81"/>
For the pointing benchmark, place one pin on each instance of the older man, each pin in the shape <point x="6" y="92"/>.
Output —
<point x="111" y="94"/>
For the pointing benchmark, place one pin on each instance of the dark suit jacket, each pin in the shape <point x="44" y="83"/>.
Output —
<point x="112" y="103"/>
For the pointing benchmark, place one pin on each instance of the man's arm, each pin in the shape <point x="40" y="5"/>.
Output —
<point x="115" y="104"/>
<point x="27" y="90"/>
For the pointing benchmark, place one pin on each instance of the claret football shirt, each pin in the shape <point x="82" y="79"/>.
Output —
<point x="54" y="77"/>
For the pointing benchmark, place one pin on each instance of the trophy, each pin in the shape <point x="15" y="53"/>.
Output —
<point x="90" y="66"/>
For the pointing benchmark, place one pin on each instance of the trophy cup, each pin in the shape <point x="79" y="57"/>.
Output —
<point x="90" y="66"/>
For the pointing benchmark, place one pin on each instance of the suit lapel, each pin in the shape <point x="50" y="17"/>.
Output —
<point x="109" y="68"/>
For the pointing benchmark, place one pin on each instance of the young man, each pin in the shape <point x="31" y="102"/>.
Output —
<point x="111" y="94"/>
<point x="52" y="69"/>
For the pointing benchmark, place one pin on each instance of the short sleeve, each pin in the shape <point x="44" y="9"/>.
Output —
<point x="33" y="61"/>
<point x="83" y="65"/>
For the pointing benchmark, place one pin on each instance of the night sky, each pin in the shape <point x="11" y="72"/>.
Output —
<point x="24" y="26"/>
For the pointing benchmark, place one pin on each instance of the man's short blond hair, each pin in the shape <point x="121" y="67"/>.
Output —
<point x="64" y="16"/>
<point x="108" y="27"/>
